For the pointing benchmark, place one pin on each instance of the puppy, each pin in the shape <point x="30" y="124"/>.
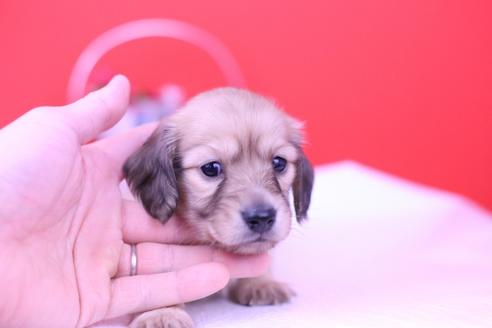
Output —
<point x="224" y="164"/>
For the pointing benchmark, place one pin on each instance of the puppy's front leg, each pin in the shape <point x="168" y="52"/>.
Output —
<point x="259" y="291"/>
<point x="168" y="317"/>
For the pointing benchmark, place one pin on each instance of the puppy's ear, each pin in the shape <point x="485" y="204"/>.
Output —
<point x="151" y="173"/>
<point x="303" y="185"/>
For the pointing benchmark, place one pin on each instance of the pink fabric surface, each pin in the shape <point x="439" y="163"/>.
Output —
<point x="377" y="251"/>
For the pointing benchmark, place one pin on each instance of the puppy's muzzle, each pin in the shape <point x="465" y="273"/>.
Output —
<point x="259" y="218"/>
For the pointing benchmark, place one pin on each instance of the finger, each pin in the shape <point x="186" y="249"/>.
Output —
<point x="157" y="258"/>
<point x="147" y="292"/>
<point x="99" y="110"/>
<point x="121" y="146"/>
<point x="139" y="226"/>
<point x="122" y="321"/>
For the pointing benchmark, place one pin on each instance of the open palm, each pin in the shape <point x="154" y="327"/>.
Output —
<point x="65" y="229"/>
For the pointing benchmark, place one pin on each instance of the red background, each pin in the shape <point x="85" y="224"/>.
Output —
<point x="404" y="86"/>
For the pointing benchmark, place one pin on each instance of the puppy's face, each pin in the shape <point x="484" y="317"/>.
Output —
<point x="225" y="163"/>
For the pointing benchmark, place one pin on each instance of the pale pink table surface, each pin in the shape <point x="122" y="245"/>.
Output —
<point x="378" y="251"/>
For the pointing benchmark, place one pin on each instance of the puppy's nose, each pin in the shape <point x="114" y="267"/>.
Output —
<point x="259" y="218"/>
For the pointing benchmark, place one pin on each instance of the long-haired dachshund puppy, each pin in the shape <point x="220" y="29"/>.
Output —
<point x="224" y="164"/>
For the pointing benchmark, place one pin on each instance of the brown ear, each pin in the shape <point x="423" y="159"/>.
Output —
<point x="151" y="173"/>
<point x="302" y="187"/>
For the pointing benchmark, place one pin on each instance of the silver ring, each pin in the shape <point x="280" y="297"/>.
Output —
<point x="133" y="260"/>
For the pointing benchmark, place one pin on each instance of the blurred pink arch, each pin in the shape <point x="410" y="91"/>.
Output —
<point x="146" y="28"/>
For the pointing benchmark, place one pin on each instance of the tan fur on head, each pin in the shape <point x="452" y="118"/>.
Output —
<point x="243" y="132"/>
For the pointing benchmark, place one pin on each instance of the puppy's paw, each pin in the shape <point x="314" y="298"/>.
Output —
<point x="169" y="317"/>
<point x="260" y="291"/>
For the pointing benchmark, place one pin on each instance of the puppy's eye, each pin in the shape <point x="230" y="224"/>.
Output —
<point x="279" y="164"/>
<point x="212" y="169"/>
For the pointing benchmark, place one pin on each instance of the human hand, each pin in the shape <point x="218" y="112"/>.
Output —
<point x="65" y="230"/>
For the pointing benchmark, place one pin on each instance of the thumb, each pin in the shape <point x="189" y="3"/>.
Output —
<point x="100" y="109"/>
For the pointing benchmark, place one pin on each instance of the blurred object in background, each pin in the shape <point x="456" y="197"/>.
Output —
<point x="147" y="106"/>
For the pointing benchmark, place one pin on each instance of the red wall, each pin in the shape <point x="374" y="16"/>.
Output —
<point x="405" y="86"/>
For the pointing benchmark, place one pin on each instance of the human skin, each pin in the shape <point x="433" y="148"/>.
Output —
<point x="66" y="230"/>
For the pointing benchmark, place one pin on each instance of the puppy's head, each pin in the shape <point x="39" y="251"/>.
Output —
<point x="225" y="163"/>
